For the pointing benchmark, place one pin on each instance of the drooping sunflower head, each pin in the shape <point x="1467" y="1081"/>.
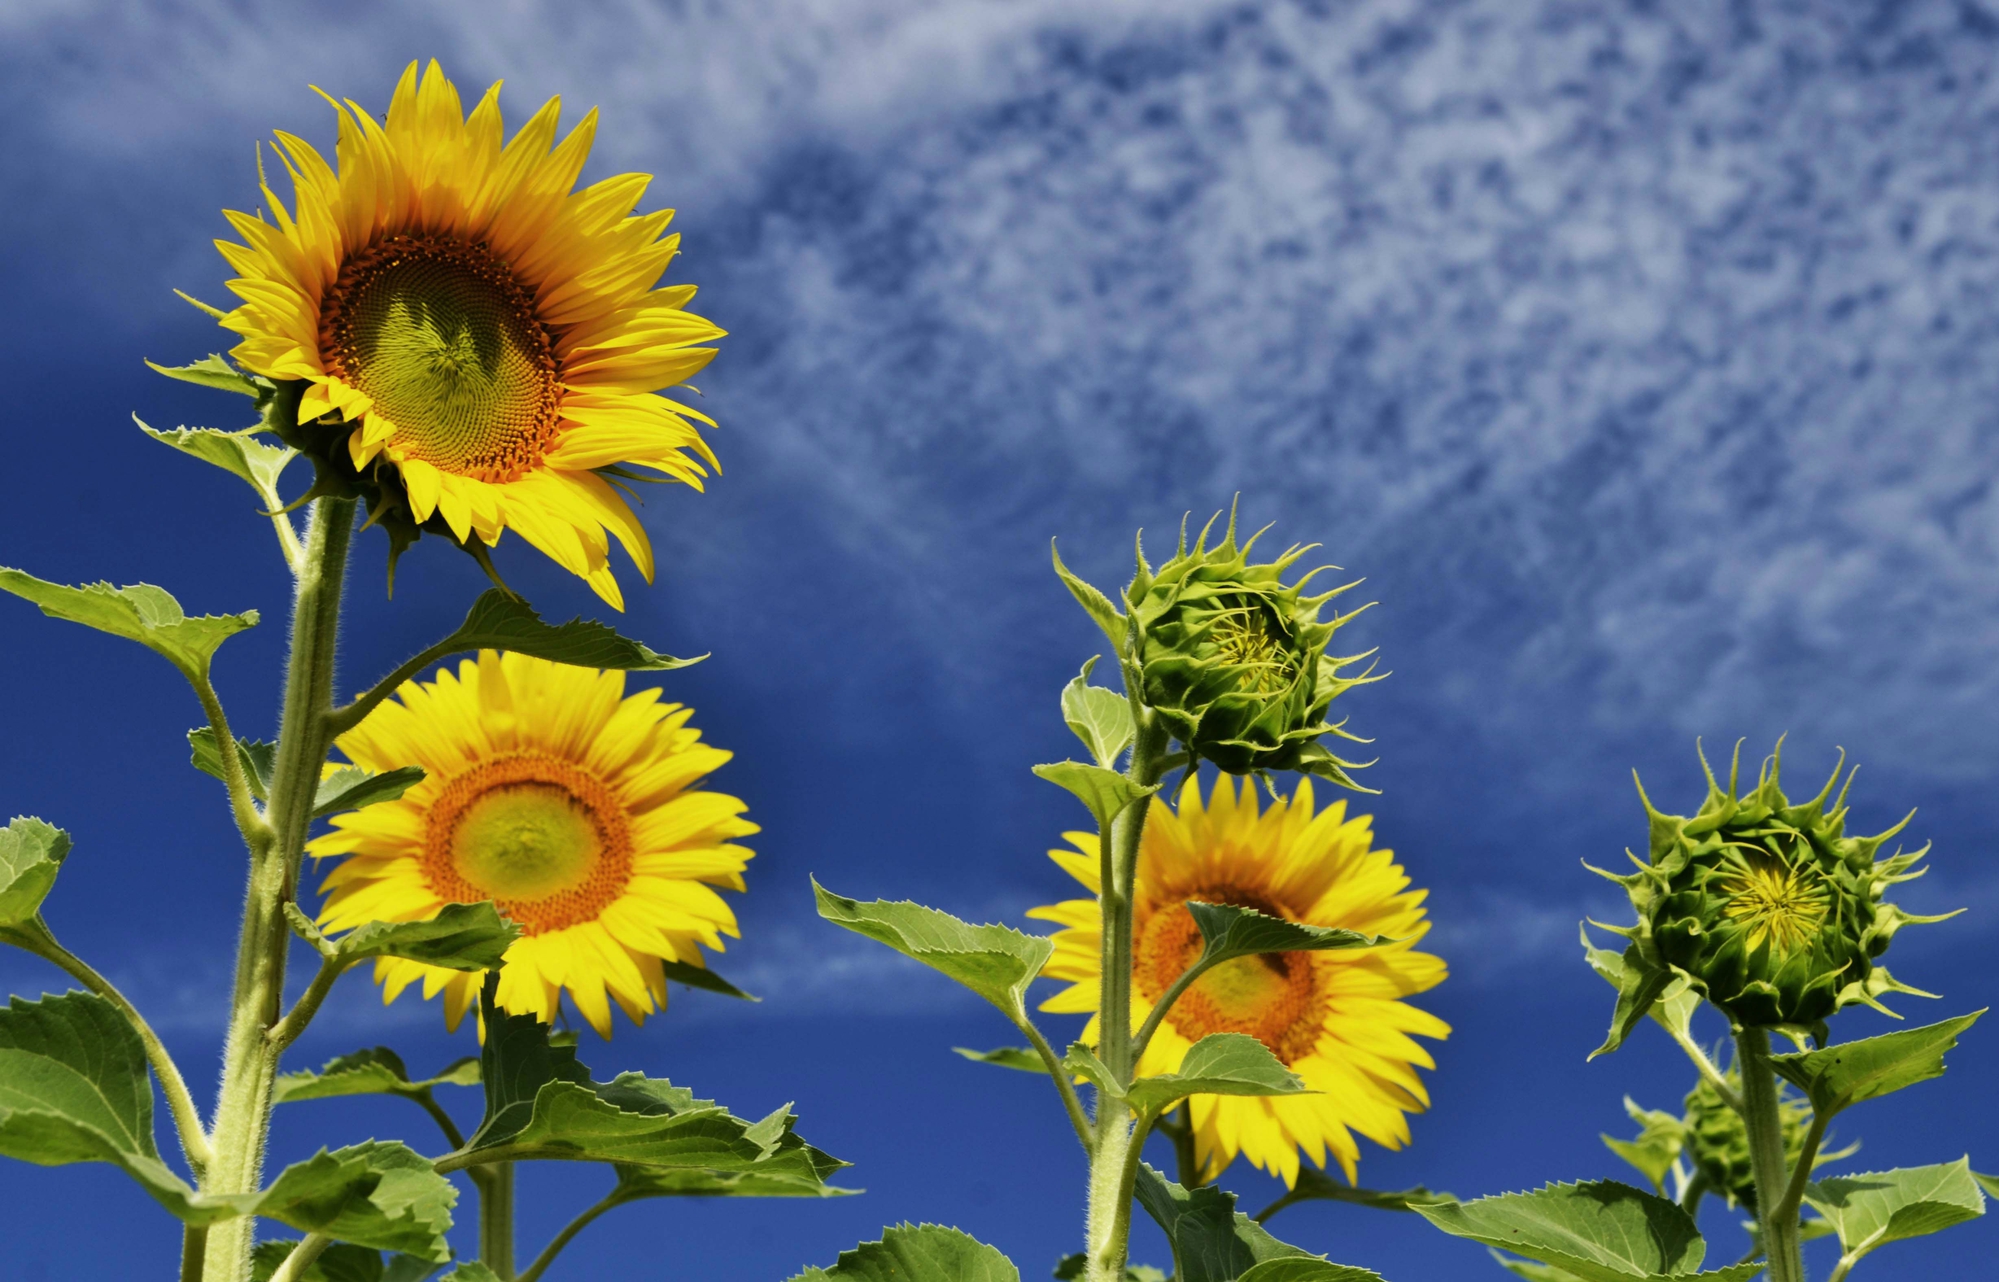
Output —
<point x="1233" y="659"/>
<point x="1774" y="912"/>
<point x="574" y="808"/>
<point x="1340" y="1019"/>
<point x="470" y="344"/>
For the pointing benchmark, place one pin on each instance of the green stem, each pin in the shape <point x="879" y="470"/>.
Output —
<point x="1766" y="1155"/>
<point x="570" y="1230"/>
<point x="1113" y="1162"/>
<point x="496" y="1221"/>
<point x="286" y="1031"/>
<point x="452" y="1135"/>
<point x="301" y="1258"/>
<point x="242" y="1115"/>
<point x="1186" y="1156"/>
<point x="193" y="1248"/>
<point x="1709" y="1073"/>
<point x="256" y="832"/>
<point x="1070" y="1104"/>
<point x="35" y="937"/>
<point x="1794" y="1192"/>
<point x="1690" y="1197"/>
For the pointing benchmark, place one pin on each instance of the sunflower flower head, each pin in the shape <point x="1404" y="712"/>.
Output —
<point x="575" y="808"/>
<point x="1233" y="659"/>
<point x="1340" y="1019"/>
<point x="1771" y="909"/>
<point x="470" y="344"/>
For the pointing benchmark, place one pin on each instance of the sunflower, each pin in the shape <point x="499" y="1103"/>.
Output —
<point x="1336" y="1019"/>
<point x="573" y="808"/>
<point x="488" y="342"/>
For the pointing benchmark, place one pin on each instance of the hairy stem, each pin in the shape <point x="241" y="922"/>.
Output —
<point x="242" y="1115"/>
<point x="256" y="832"/>
<point x="286" y="1031"/>
<point x="1070" y="1104"/>
<point x="35" y="937"/>
<point x="569" y="1231"/>
<point x="301" y="1258"/>
<point x="496" y="1220"/>
<point x="1766" y="1156"/>
<point x="1113" y="1163"/>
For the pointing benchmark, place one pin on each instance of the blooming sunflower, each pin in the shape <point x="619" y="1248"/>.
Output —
<point x="570" y="806"/>
<point x="1337" y="1019"/>
<point x="487" y="342"/>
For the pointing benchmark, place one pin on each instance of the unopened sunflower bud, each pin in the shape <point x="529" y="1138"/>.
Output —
<point x="1718" y="1142"/>
<point x="1233" y="659"/>
<point x="1772" y="911"/>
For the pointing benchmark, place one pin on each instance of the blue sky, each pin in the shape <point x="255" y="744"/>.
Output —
<point x="1637" y="355"/>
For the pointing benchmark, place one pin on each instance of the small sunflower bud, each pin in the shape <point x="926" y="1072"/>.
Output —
<point x="1769" y="908"/>
<point x="1718" y="1142"/>
<point x="1234" y="661"/>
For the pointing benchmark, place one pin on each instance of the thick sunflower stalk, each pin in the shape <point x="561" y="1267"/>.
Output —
<point x="459" y="344"/>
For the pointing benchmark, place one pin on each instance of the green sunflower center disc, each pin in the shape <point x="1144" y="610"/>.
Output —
<point x="1249" y="639"/>
<point x="539" y="835"/>
<point x="526" y="841"/>
<point x="1783" y="905"/>
<point x="447" y="343"/>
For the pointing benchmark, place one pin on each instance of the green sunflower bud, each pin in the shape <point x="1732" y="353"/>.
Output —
<point x="1769" y="908"/>
<point x="1718" y="1143"/>
<point x="1232" y="659"/>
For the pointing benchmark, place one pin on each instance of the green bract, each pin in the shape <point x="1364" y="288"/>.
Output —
<point x="1233" y="659"/>
<point x="1773" y="913"/>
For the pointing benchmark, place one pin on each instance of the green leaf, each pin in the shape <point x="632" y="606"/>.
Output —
<point x="1211" y="1240"/>
<point x="1657" y="1146"/>
<point x="1642" y="990"/>
<point x="1531" y="1270"/>
<point x="257" y="758"/>
<point x="238" y="453"/>
<point x="704" y="979"/>
<point x="141" y="613"/>
<point x="1218" y="1064"/>
<point x="374" y="1071"/>
<point x="1838" y="1077"/>
<point x="1101" y="718"/>
<point x="1106" y="792"/>
<point x="470" y="1271"/>
<point x="31" y="853"/>
<point x="498" y="621"/>
<point x="350" y="788"/>
<point x="1598" y="1231"/>
<point x="375" y="1194"/>
<point x="460" y="937"/>
<point x="918" y="1253"/>
<point x="74" y="1088"/>
<point x="1231" y="931"/>
<point x="1301" y="1270"/>
<point x="1990" y="1183"/>
<point x="542" y="1105"/>
<point x="1014" y="1057"/>
<point x="212" y="371"/>
<point x="1872" y="1210"/>
<point x="996" y="962"/>
<point x="340" y="1262"/>
<point x="1094" y="603"/>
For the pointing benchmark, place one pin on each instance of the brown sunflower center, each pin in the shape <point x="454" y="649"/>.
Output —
<point x="447" y="343"/>
<point x="541" y="837"/>
<point x="1250" y="640"/>
<point x="1273" y="997"/>
<point x="1783" y="905"/>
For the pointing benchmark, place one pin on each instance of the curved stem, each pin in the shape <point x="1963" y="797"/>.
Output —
<point x="452" y="1135"/>
<point x="569" y="1230"/>
<point x="242" y="1115"/>
<point x="343" y="719"/>
<point x="1794" y="1192"/>
<point x="496" y="1220"/>
<point x="1690" y="1197"/>
<point x="283" y="1033"/>
<point x="1070" y="1104"/>
<point x="250" y="822"/>
<point x="1186" y="1154"/>
<point x="301" y="1258"/>
<point x="1766" y="1155"/>
<point x="1164" y="1004"/>
<point x="1709" y="1073"/>
<point x="35" y="937"/>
